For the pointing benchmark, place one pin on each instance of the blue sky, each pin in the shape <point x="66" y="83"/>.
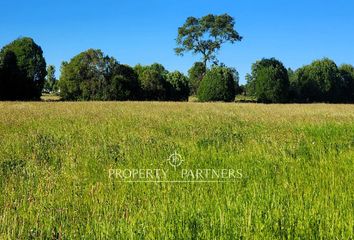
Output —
<point x="142" y="31"/>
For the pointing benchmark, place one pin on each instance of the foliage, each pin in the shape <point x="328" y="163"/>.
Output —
<point x="317" y="82"/>
<point x="196" y="74"/>
<point x="124" y="85"/>
<point x="50" y="80"/>
<point x="238" y="89"/>
<point x="93" y="76"/>
<point x="23" y="70"/>
<point x="206" y="35"/>
<point x="321" y="81"/>
<point x="179" y="86"/>
<point x="346" y="83"/>
<point x="250" y="86"/>
<point x="269" y="81"/>
<point x="10" y="78"/>
<point x="153" y="82"/>
<point x="218" y="84"/>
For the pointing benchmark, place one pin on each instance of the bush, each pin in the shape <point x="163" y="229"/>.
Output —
<point x="347" y="83"/>
<point x="23" y="70"/>
<point x="270" y="81"/>
<point x="317" y="82"/>
<point x="218" y="84"/>
<point x="93" y="76"/>
<point x="153" y="82"/>
<point x="124" y="84"/>
<point x="179" y="89"/>
<point x="10" y="79"/>
<point x="50" y="80"/>
<point x="196" y="74"/>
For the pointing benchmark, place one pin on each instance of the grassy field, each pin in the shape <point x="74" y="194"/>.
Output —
<point x="297" y="164"/>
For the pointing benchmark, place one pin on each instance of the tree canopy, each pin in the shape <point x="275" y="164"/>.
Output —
<point x="269" y="81"/>
<point x="179" y="90"/>
<point x="50" y="80"/>
<point x="153" y="82"/>
<point x="91" y="75"/>
<point x="10" y="79"/>
<point x="317" y="82"/>
<point x="206" y="35"/>
<point x="218" y="84"/>
<point x="196" y="73"/>
<point x="347" y="83"/>
<point x="23" y="70"/>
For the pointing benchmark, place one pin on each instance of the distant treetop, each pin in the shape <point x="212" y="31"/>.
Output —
<point x="206" y="35"/>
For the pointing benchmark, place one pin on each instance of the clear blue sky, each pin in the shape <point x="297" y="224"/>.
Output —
<point x="144" y="31"/>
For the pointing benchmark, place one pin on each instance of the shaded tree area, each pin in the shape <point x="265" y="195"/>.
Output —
<point x="320" y="81"/>
<point x="50" y="83"/>
<point x="158" y="84"/>
<point x="269" y="81"/>
<point x="179" y="90"/>
<point x="153" y="83"/>
<point x="218" y="84"/>
<point x="206" y="36"/>
<point x="91" y="75"/>
<point x="196" y="74"/>
<point x="317" y="82"/>
<point x="22" y="70"/>
<point x="346" y="83"/>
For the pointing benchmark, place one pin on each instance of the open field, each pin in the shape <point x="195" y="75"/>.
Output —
<point x="297" y="164"/>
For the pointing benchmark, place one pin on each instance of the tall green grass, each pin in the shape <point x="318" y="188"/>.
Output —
<point x="297" y="163"/>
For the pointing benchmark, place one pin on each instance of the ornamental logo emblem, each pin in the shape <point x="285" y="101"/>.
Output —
<point x="175" y="160"/>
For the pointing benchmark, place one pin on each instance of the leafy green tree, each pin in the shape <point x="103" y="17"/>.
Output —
<point x="196" y="74"/>
<point x="206" y="35"/>
<point x="91" y="75"/>
<point x="30" y="69"/>
<point x="236" y="75"/>
<point x="250" y="87"/>
<point x="218" y="84"/>
<point x="241" y="90"/>
<point x="347" y="83"/>
<point x="270" y="81"/>
<point x="292" y="87"/>
<point x="153" y="82"/>
<point x="124" y="85"/>
<point x="84" y="77"/>
<point x="10" y="78"/>
<point x="317" y="82"/>
<point x="179" y="90"/>
<point x="50" y="80"/>
<point x="291" y="74"/>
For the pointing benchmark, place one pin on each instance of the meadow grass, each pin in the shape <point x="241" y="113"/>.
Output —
<point x="297" y="165"/>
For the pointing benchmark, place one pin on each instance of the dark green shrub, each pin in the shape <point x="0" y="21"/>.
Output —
<point x="196" y="74"/>
<point x="270" y="81"/>
<point x="93" y="76"/>
<point x="218" y="84"/>
<point x="179" y="89"/>
<point x="23" y="70"/>
<point x="153" y="83"/>
<point x="347" y="83"/>
<point x="317" y="82"/>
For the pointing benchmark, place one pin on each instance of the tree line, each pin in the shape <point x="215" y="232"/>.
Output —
<point x="92" y="75"/>
<point x="320" y="81"/>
